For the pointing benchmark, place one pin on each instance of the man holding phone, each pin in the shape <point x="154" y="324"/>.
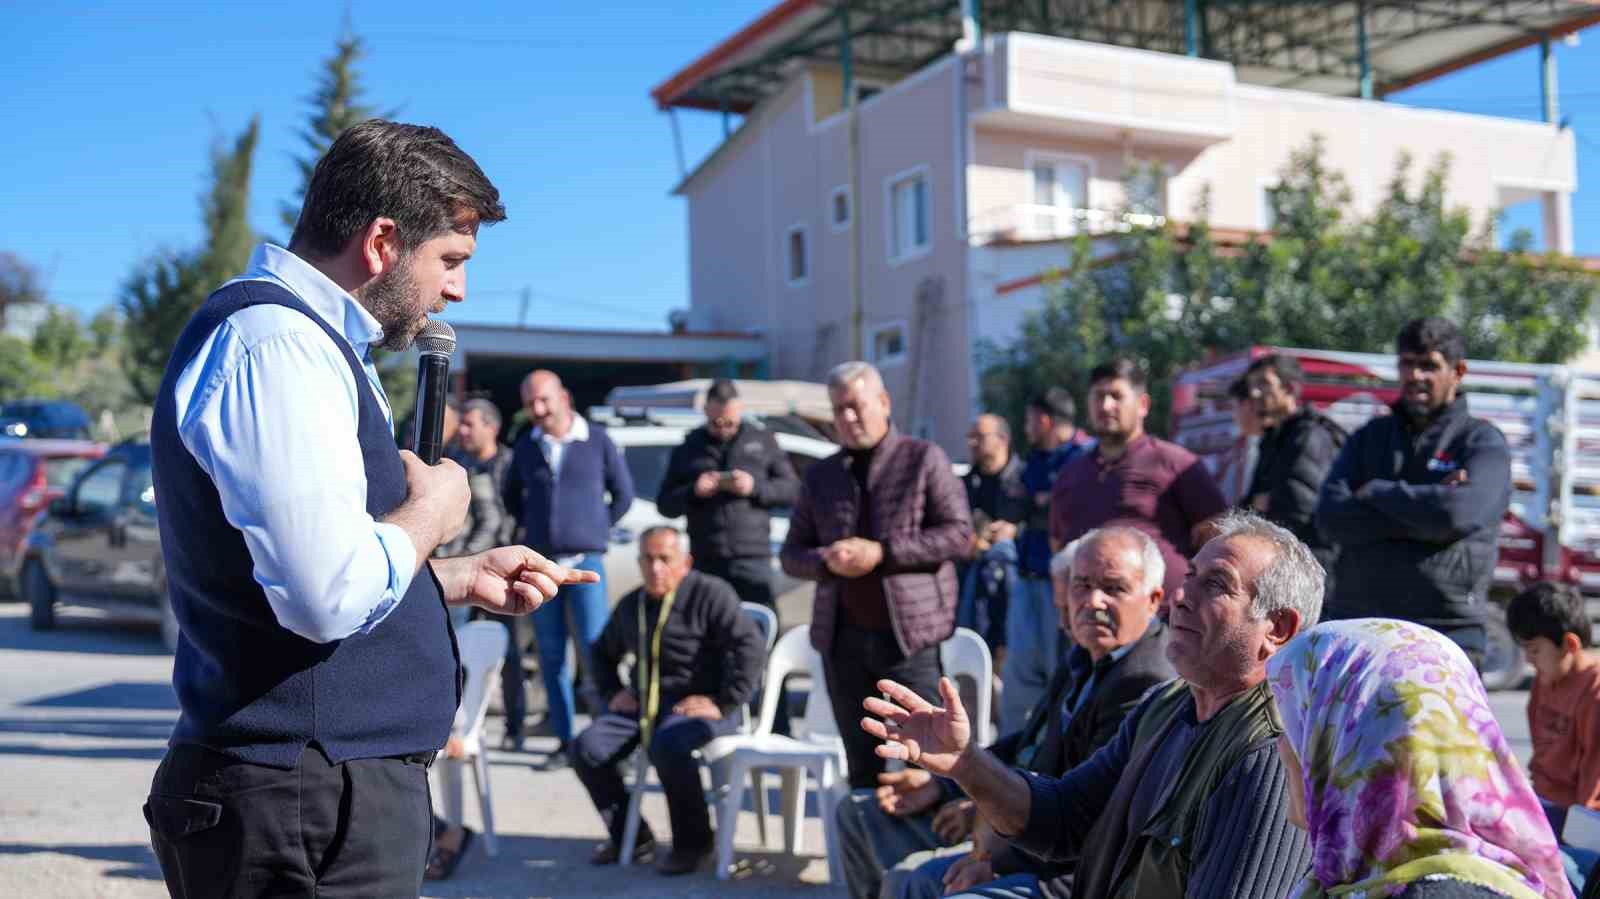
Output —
<point x="726" y="477"/>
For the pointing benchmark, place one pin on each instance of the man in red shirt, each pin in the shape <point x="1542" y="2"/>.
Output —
<point x="1132" y="478"/>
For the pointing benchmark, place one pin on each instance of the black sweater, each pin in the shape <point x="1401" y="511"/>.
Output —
<point x="1292" y="463"/>
<point x="1411" y="546"/>
<point x="710" y="646"/>
<point x="725" y="526"/>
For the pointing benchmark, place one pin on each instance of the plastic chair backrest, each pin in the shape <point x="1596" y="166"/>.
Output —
<point x="765" y="619"/>
<point x="964" y="652"/>
<point x="767" y="622"/>
<point x="791" y="654"/>
<point x="483" y="652"/>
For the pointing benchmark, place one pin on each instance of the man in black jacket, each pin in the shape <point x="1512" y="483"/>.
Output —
<point x="1297" y="448"/>
<point x="1415" y="499"/>
<point x="697" y="660"/>
<point x="1107" y="591"/>
<point x="726" y="476"/>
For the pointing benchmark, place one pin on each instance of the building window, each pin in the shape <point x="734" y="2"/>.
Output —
<point x="799" y="263"/>
<point x="1267" y="214"/>
<point x="839" y="208"/>
<point x="1147" y="189"/>
<point x="1060" y="193"/>
<point x="908" y="215"/>
<point x="889" y="344"/>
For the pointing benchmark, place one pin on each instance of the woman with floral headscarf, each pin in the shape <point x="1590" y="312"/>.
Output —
<point x="1400" y="773"/>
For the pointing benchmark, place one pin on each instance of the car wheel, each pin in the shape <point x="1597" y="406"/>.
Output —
<point x="1503" y="665"/>
<point x="41" y="596"/>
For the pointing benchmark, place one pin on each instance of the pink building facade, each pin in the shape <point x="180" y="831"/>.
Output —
<point x="968" y="174"/>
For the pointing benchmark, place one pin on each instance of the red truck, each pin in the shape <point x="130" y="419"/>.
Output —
<point x="1549" y="414"/>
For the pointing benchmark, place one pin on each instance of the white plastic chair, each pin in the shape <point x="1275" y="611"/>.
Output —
<point x="767" y="621"/>
<point x="819" y="754"/>
<point x="483" y="653"/>
<point x="1582" y="828"/>
<point x="966" y="653"/>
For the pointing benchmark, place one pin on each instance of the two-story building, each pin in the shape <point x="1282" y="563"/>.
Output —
<point x="903" y="174"/>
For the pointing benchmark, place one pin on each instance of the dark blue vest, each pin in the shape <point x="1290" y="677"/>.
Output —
<point x="248" y="686"/>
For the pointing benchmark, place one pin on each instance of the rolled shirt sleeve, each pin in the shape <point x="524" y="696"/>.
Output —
<point x="268" y="408"/>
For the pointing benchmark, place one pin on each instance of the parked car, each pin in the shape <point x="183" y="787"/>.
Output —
<point x="44" y="418"/>
<point x="32" y="473"/>
<point x="647" y="443"/>
<point x="99" y="547"/>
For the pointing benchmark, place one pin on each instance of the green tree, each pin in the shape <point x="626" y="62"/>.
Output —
<point x="59" y="342"/>
<point x="1326" y="278"/>
<point x="165" y="290"/>
<point x="336" y="104"/>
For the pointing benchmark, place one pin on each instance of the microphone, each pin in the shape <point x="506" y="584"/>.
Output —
<point x="436" y="341"/>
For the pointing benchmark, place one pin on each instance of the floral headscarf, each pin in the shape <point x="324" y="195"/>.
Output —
<point x="1407" y="775"/>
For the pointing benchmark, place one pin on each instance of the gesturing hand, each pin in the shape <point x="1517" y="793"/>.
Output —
<point x="916" y="731"/>
<point x="907" y="792"/>
<point x="508" y="580"/>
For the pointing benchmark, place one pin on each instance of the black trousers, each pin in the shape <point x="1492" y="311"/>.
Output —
<point x="752" y="578"/>
<point x="596" y="752"/>
<point x="853" y="666"/>
<point x="223" y="827"/>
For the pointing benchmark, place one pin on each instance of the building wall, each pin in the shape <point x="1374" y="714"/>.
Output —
<point x="779" y="173"/>
<point x="1058" y="94"/>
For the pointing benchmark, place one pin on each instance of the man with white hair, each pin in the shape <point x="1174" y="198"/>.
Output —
<point x="918" y="826"/>
<point x="1188" y="798"/>
<point x="879" y="527"/>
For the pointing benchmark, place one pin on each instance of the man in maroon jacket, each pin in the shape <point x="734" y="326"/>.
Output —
<point x="878" y="527"/>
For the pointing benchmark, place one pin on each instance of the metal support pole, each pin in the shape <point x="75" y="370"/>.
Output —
<point x="970" y="28"/>
<point x="1548" y="91"/>
<point x="1191" y="27"/>
<point x="1361" y="50"/>
<point x="852" y="147"/>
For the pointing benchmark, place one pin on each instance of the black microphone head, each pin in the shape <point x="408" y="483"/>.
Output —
<point x="436" y="338"/>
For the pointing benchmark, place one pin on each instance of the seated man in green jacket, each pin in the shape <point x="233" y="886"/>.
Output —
<point x="1188" y="799"/>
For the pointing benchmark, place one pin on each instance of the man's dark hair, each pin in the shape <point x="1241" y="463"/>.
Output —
<point x="1239" y="389"/>
<point x="413" y="174"/>
<point x="1549" y="610"/>
<point x="1057" y="403"/>
<point x="722" y="390"/>
<point x="1287" y="368"/>
<point x="1424" y="335"/>
<point x="1121" y="368"/>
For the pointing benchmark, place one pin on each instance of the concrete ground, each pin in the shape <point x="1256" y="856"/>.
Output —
<point x="84" y="716"/>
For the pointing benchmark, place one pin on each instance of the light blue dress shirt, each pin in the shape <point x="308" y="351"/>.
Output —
<point x="268" y="409"/>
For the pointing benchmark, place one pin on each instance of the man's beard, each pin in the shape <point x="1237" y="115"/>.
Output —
<point x="391" y="298"/>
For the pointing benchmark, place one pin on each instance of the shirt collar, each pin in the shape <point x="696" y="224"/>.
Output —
<point x="578" y="433"/>
<point x="328" y="300"/>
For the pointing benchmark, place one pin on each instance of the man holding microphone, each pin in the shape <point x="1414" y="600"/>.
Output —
<point x="317" y="673"/>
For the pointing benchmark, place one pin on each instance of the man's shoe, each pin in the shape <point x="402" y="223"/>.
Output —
<point x="609" y="853"/>
<point x="683" y="861"/>
<point x="557" y="759"/>
<point x="511" y="743"/>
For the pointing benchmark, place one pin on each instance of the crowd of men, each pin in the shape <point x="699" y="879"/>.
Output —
<point x="1072" y="559"/>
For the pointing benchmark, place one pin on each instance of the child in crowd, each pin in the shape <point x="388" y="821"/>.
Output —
<point x="1550" y="622"/>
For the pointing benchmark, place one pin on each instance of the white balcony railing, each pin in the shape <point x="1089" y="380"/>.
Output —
<point x="1038" y="222"/>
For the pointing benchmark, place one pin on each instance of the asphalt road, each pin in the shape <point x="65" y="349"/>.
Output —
<point x="84" y="716"/>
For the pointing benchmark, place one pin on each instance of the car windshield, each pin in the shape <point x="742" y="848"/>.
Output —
<point x="648" y="466"/>
<point x="60" y="471"/>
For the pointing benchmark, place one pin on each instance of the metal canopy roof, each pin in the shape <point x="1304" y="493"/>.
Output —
<point x="1308" y="45"/>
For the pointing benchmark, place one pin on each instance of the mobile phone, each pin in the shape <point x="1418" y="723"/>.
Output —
<point x="727" y="477"/>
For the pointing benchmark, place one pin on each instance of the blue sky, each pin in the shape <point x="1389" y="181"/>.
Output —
<point x="113" y="106"/>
